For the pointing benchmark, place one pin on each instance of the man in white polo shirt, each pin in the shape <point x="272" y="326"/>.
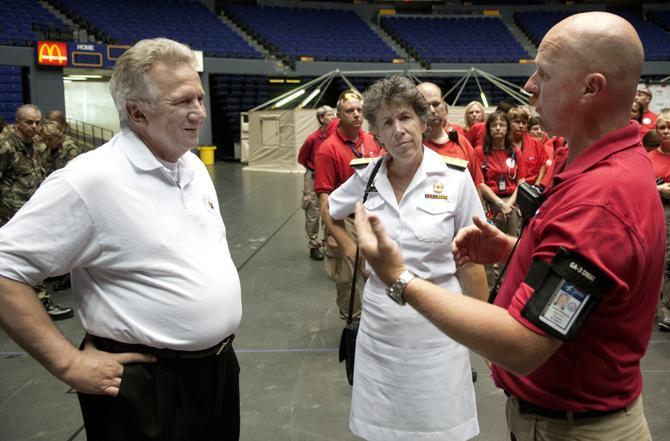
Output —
<point x="157" y="292"/>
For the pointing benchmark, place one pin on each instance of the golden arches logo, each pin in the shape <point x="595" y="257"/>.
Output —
<point x="51" y="53"/>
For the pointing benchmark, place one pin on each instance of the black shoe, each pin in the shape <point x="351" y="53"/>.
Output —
<point x="664" y="325"/>
<point x="62" y="283"/>
<point x="57" y="312"/>
<point x="315" y="254"/>
<point x="474" y="375"/>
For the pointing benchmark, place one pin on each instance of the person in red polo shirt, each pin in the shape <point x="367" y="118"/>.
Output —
<point x="450" y="144"/>
<point x="310" y="202"/>
<point x="644" y="97"/>
<point x="660" y="160"/>
<point x="598" y="237"/>
<point x="533" y="153"/>
<point x="347" y="142"/>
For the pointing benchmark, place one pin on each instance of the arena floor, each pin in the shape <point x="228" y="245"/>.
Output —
<point x="292" y="386"/>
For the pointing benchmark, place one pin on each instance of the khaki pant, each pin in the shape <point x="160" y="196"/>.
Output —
<point x="310" y="203"/>
<point x="340" y="270"/>
<point x="664" y="306"/>
<point x="511" y="226"/>
<point x="626" y="425"/>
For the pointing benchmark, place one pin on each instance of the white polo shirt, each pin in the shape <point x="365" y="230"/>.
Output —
<point x="149" y="258"/>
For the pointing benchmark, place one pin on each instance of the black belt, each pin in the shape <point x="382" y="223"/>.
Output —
<point x="107" y="345"/>
<point x="529" y="408"/>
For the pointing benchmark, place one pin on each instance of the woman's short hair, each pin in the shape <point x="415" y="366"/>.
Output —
<point x="665" y="117"/>
<point x="518" y="113"/>
<point x="321" y="111"/>
<point x="487" y="144"/>
<point x="393" y="90"/>
<point x="131" y="80"/>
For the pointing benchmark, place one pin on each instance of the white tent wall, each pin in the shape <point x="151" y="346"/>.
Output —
<point x="275" y="138"/>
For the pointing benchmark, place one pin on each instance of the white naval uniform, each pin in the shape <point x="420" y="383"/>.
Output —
<point x="411" y="381"/>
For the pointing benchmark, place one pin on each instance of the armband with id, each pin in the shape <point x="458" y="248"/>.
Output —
<point x="567" y="290"/>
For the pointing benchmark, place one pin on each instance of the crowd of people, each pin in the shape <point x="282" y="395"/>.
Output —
<point x="445" y="208"/>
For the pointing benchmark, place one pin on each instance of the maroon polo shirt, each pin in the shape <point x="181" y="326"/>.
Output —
<point x="498" y="165"/>
<point x="309" y="148"/>
<point x="603" y="205"/>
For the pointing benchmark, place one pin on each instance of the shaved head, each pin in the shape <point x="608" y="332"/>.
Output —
<point x="588" y="67"/>
<point x="600" y="42"/>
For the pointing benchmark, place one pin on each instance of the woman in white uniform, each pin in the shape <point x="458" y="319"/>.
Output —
<point x="411" y="381"/>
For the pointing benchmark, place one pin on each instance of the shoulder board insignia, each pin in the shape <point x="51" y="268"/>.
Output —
<point x="455" y="163"/>
<point x="361" y="162"/>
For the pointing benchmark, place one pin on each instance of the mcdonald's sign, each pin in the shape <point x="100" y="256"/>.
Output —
<point x="52" y="53"/>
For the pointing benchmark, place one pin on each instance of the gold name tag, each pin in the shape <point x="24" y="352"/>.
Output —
<point x="436" y="196"/>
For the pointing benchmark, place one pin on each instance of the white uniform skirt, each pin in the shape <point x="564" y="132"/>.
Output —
<point x="411" y="381"/>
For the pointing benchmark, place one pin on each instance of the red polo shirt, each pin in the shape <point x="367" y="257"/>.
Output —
<point x="496" y="164"/>
<point x="461" y="150"/>
<point x="660" y="162"/>
<point x="534" y="157"/>
<point x="603" y="205"/>
<point x="334" y="155"/>
<point x="475" y="134"/>
<point x="310" y="147"/>
<point x="556" y="151"/>
<point x="649" y="120"/>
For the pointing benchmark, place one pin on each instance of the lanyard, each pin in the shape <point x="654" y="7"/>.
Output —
<point x="352" y="146"/>
<point x="502" y="165"/>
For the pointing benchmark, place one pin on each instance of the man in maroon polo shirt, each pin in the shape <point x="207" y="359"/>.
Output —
<point x="332" y="170"/>
<point x="310" y="202"/>
<point x="643" y="96"/>
<point x="598" y="238"/>
<point x="453" y="145"/>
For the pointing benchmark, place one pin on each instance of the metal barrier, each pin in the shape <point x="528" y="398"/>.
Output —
<point x="88" y="135"/>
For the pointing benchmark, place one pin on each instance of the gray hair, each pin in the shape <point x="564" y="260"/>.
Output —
<point x="393" y="90"/>
<point x="322" y="111"/>
<point x="131" y="81"/>
<point x="18" y="115"/>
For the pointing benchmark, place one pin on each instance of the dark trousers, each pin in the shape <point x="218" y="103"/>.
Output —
<point x="170" y="400"/>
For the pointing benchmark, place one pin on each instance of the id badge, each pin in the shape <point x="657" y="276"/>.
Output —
<point x="502" y="183"/>
<point x="563" y="307"/>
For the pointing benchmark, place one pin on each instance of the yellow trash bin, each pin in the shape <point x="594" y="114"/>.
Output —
<point x="207" y="154"/>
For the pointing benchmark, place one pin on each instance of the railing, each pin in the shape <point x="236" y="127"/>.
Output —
<point x="87" y="134"/>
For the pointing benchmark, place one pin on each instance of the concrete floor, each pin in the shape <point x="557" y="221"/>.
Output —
<point x="292" y="386"/>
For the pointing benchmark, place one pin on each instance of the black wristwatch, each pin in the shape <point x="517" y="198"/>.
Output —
<point x="396" y="290"/>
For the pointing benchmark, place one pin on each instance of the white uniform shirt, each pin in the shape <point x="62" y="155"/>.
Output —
<point x="149" y="258"/>
<point x="437" y="203"/>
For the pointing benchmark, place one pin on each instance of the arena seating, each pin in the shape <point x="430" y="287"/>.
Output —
<point x="190" y="22"/>
<point x="11" y="91"/>
<point x="655" y="40"/>
<point x="660" y="18"/>
<point x="18" y="21"/>
<point x="325" y="35"/>
<point x="461" y="39"/>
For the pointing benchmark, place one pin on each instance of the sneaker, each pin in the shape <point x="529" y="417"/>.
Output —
<point x="57" y="312"/>
<point x="315" y="254"/>
<point x="664" y="324"/>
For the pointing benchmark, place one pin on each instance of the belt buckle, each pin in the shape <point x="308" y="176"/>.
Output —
<point x="224" y="346"/>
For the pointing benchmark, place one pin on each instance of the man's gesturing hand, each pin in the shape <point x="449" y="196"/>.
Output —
<point x="481" y="243"/>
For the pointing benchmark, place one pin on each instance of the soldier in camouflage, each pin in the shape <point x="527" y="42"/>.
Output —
<point x="61" y="148"/>
<point x="21" y="172"/>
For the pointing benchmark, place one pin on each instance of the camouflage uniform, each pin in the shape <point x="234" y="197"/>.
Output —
<point x="58" y="158"/>
<point x="21" y="173"/>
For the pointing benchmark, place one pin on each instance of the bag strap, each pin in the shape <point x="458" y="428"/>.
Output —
<point x="368" y="188"/>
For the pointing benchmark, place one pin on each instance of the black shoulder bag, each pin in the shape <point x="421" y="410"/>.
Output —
<point x="350" y="331"/>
